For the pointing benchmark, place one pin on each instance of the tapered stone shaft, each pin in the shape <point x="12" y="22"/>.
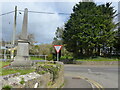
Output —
<point x="25" y="24"/>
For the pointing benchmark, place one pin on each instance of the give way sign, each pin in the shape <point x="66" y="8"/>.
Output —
<point x="57" y="48"/>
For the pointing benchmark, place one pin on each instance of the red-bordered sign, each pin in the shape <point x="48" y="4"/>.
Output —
<point x="57" y="48"/>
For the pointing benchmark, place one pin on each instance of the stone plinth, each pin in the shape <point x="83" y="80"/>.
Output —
<point x="22" y="58"/>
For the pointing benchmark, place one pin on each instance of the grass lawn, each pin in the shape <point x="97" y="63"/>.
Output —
<point x="36" y="58"/>
<point x="3" y="64"/>
<point x="99" y="59"/>
<point x="11" y="71"/>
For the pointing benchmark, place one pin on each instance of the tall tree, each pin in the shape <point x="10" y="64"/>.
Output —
<point x="58" y="36"/>
<point x="89" y="28"/>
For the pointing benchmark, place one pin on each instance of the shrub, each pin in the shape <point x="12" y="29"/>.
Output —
<point x="41" y="72"/>
<point x="66" y="57"/>
<point x="22" y="81"/>
<point x="50" y="57"/>
<point x="6" y="87"/>
<point x="53" y="70"/>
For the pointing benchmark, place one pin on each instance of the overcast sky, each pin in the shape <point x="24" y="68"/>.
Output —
<point x="43" y="26"/>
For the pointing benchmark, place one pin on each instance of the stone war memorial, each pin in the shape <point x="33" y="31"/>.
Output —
<point x="22" y="58"/>
<point x="24" y="73"/>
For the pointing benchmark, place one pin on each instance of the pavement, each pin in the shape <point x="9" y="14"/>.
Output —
<point x="103" y="76"/>
<point x="76" y="82"/>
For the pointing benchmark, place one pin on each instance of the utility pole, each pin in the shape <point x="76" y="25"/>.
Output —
<point x="14" y="33"/>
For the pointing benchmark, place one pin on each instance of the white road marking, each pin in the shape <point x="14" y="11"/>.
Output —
<point x="97" y="73"/>
<point x="89" y="70"/>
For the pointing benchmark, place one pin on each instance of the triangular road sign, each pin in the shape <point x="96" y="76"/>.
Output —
<point x="57" y="48"/>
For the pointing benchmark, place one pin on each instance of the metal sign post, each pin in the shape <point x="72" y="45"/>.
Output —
<point x="57" y="48"/>
<point x="57" y="56"/>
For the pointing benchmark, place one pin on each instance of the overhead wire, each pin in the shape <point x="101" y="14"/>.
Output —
<point x="6" y="13"/>
<point x="46" y="12"/>
<point x="54" y="13"/>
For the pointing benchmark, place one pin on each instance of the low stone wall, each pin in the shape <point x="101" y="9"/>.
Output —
<point x="34" y="80"/>
<point x="96" y="62"/>
<point x="60" y="80"/>
<point x="29" y="80"/>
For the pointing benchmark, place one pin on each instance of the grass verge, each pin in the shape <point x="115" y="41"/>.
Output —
<point x="3" y="64"/>
<point x="4" y="71"/>
<point x="99" y="59"/>
<point x="36" y="58"/>
<point x="12" y="71"/>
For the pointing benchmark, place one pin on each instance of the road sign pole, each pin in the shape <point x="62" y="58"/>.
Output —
<point x="57" y="56"/>
<point x="57" y="48"/>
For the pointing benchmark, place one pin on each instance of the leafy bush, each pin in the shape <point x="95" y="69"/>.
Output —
<point x="50" y="83"/>
<point x="52" y="69"/>
<point x="22" y="81"/>
<point x="50" y="57"/>
<point x="66" y="57"/>
<point x="6" y="87"/>
<point x="41" y="72"/>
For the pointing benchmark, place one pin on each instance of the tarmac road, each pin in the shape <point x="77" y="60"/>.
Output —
<point x="106" y="76"/>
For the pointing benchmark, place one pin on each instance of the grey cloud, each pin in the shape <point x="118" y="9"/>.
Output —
<point x="43" y="26"/>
